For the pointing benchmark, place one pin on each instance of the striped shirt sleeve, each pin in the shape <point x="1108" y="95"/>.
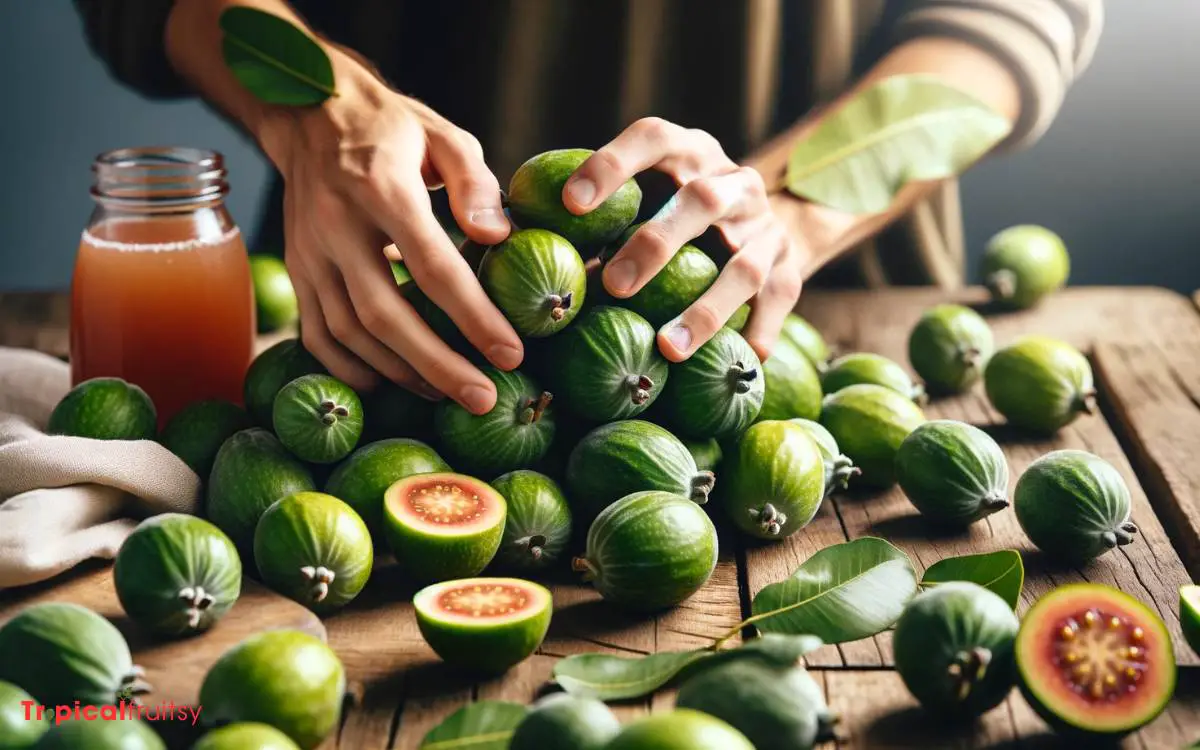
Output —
<point x="127" y="35"/>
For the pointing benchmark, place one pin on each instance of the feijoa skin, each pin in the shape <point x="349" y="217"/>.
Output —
<point x="718" y="391"/>
<point x="318" y="418"/>
<point x="1040" y="384"/>
<point x="1189" y="615"/>
<point x="561" y="721"/>
<point x="537" y="280"/>
<point x="688" y="274"/>
<point x="954" y="649"/>
<point x="793" y="387"/>
<point x="1094" y="662"/>
<point x="774" y="483"/>
<point x="128" y="734"/>
<point x="805" y="337"/>
<point x="270" y="371"/>
<point x="607" y="365"/>
<point x="706" y="453"/>
<point x="483" y="624"/>
<point x="105" y="409"/>
<point x="1074" y="506"/>
<point x="681" y="729"/>
<point x="949" y="347"/>
<point x="620" y="458"/>
<point x="245" y="735"/>
<point x="197" y="431"/>
<point x="177" y="574"/>
<point x="869" y="422"/>
<point x="535" y="200"/>
<point x="649" y="551"/>
<point x="1023" y="264"/>
<point x="538" y="525"/>
<point x="17" y="732"/>
<point x="865" y="367"/>
<point x="839" y="468"/>
<point x="953" y="472"/>
<point x="515" y="434"/>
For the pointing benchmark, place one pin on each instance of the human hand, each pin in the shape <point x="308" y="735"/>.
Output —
<point x="766" y="267"/>
<point x="357" y="174"/>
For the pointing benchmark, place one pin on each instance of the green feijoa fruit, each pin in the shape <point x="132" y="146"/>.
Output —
<point x="105" y="409"/>
<point x="274" y="296"/>
<point x="681" y="729"/>
<point x="738" y="320"/>
<point x="793" y="387"/>
<point x="391" y="411"/>
<point x="538" y="524"/>
<point x="869" y="422"/>
<point x="706" y="453"/>
<point x="801" y="334"/>
<point x="61" y="653"/>
<point x="865" y="367"/>
<point x="270" y="372"/>
<point x="1040" y="384"/>
<point x="775" y="481"/>
<point x="1074" y="506"/>
<point x="949" y="347"/>
<point x="620" y="458"/>
<point x="688" y="274"/>
<point x="196" y="433"/>
<point x="1023" y="264"/>
<point x="953" y="472"/>
<point x="314" y="549"/>
<point x="443" y="526"/>
<point x="177" y="574"/>
<point x="771" y="705"/>
<point x="718" y="391"/>
<point x="537" y="280"/>
<point x="535" y="200"/>
<point x="561" y="721"/>
<point x="287" y="679"/>
<point x="252" y="470"/>
<point x="649" y="551"/>
<point x="319" y="418"/>
<point x="361" y="480"/>
<point x="245" y="735"/>
<point x="103" y="734"/>
<point x="483" y="624"/>
<point x="515" y="434"/>
<point x="839" y="468"/>
<point x="954" y="649"/>
<point x="1189" y="616"/>
<point x="607" y="366"/>
<point x="16" y="731"/>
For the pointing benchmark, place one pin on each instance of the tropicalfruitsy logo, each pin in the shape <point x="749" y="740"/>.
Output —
<point x="123" y="710"/>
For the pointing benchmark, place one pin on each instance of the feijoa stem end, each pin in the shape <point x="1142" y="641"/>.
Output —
<point x="533" y="545"/>
<point x="1002" y="284"/>
<point x="320" y="577"/>
<point x="994" y="501"/>
<point x="581" y="565"/>
<point x="702" y="486"/>
<point x="741" y="377"/>
<point x="843" y="471"/>
<point x="559" y="305"/>
<point x="770" y="519"/>
<point x="197" y="600"/>
<point x="1086" y="402"/>
<point x="968" y="668"/>
<point x="536" y="407"/>
<point x="639" y="388"/>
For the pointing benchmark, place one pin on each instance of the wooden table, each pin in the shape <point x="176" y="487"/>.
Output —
<point x="1144" y="345"/>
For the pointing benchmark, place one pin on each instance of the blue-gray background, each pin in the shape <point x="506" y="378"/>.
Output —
<point x="1117" y="176"/>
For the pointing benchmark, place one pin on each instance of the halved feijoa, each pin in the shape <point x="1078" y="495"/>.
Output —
<point x="1040" y="384"/>
<point x="538" y="524"/>
<point x="869" y="422"/>
<point x="177" y="574"/>
<point x="620" y="458"/>
<point x="793" y="387"/>
<point x="443" y="526"/>
<point x="1189" y="615"/>
<point x="953" y="472"/>
<point x="17" y="731"/>
<point x="805" y="337"/>
<point x="562" y="721"/>
<point x="314" y="549"/>
<point x="319" y="418"/>
<point x="270" y="372"/>
<point x="607" y="365"/>
<point x="681" y="729"/>
<point x="105" y="409"/>
<point x="483" y="624"/>
<point x="649" y="550"/>
<point x="718" y="391"/>
<point x="954" y="649"/>
<point x="537" y="280"/>
<point x="83" y="734"/>
<point x="1074" y="506"/>
<point x="1024" y="263"/>
<point x="775" y="481"/>
<point x="839" y="468"/>
<point x="515" y="434"/>
<point x="287" y="679"/>
<point x="949" y="347"/>
<point x="866" y="367"/>
<point x="1094" y="661"/>
<point x="245" y="735"/>
<point x="688" y="274"/>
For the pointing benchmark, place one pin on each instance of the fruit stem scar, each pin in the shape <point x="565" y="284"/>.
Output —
<point x="1086" y="402"/>
<point x="535" y="408"/>
<point x="918" y="395"/>
<point x="582" y="565"/>
<point x="970" y="356"/>
<point x="639" y="386"/>
<point x="197" y="600"/>
<point x="967" y="669"/>
<point x="533" y="545"/>
<point x="559" y="305"/>
<point x="702" y="485"/>
<point x="769" y="518"/>
<point x="741" y="377"/>
<point x="321" y="577"/>
<point x="1002" y="283"/>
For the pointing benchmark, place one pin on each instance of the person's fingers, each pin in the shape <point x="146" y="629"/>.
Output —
<point x="472" y="188"/>
<point x="777" y="299"/>
<point x="316" y="338"/>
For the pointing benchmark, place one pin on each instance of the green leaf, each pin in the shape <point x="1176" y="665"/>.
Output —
<point x="610" y="678"/>
<point x="487" y="725"/>
<point x="1001" y="572"/>
<point x="274" y="60"/>
<point x="842" y="593"/>
<point x="902" y="129"/>
<point x="776" y="648"/>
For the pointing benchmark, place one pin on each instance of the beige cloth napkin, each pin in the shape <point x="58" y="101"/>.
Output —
<point x="63" y="499"/>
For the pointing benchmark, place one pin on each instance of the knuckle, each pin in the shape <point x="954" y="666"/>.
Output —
<point x="609" y="161"/>
<point x="373" y="314"/>
<point x="437" y="270"/>
<point x="314" y="340"/>
<point x="653" y="128"/>
<point x="469" y="143"/>
<point x="706" y="143"/>
<point x="755" y="187"/>
<point x="705" y="194"/>
<point x="703" y="319"/>
<point x="340" y="325"/>
<point x="749" y="269"/>
<point x="655" y="244"/>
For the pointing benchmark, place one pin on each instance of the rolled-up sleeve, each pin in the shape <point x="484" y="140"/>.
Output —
<point x="127" y="35"/>
<point x="1046" y="44"/>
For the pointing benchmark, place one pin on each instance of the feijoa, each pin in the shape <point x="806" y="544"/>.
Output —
<point x="391" y="411"/>
<point x="706" y="453"/>
<point x="1074" y="506"/>
<point x="949" y="347"/>
<point x="245" y="735"/>
<point x="865" y="367"/>
<point x="805" y="337"/>
<point x="443" y="526"/>
<point x="538" y="524"/>
<point x="869" y="422"/>
<point x="16" y="731"/>
<point x="537" y="280"/>
<point x="649" y="551"/>
<point x="196" y="432"/>
<point x="954" y="649"/>
<point x="274" y="296"/>
<point x="738" y="320"/>
<point x="793" y="387"/>
<point x="177" y="574"/>
<point x="681" y="729"/>
<point x="1189" y="614"/>
<point x="1040" y="384"/>
<point x="483" y="624"/>
<point x="561" y="721"/>
<point x="688" y="274"/>
<point x="515" y="434"/>
<point x="1023" y="264"/>
<point x="270" y="372"/>
<point x="318" y="418"/>
<point x="104" y="734"/>
<point x="718" y="391"/>
<point x="953" y="472"/>
<point x="287" y="679"/>
<point x="839" y="468"/>
<point x="775" y="482"/>
<point x="105" y="409"/>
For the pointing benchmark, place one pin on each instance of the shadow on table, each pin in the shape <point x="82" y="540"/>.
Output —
<point x="912" y="728"/>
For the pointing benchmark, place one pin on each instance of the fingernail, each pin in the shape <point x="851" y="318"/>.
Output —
<point x="489" y="218"/>
<point x="621" y="275"/>
<point x="680" y="337"/>
<point x="477" y="399"/>
<point x="504" y="356"/>
<point x="582" y="191"/>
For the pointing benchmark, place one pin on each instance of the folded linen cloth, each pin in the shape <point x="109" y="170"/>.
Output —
<point x="64" y="500"/>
